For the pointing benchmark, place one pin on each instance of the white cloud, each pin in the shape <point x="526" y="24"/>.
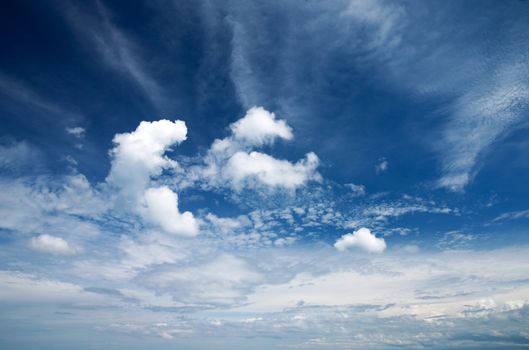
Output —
<point x="53" y="245"/>
<point x="76" y="131"/>
<point x="421" y="285"/>
<point x="480" y="117"/>
<point x="455" y="240"/>
<point x="384" y="210"/>
<point x="227" y="225"/>
<point x="259" y="127"/>
<point x="138" y="155"/>
<point x="242" y="168"/>
<point x="55" y="206"/>
<point x="160" y="207"/>
<point x="151" y="251"/>
<point x="521" y="214"/>
<point x="231" y="161"/>
<point x="362" y="239"/>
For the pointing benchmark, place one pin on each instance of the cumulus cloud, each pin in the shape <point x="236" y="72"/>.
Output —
<point x="259" y="127"/>
<point x="160" y="207"/>
<point x="137" y="157"/>
<point x="362" y="239"/>
<point x="52" y="245"/>
<point x="245" y="167"/>
<point x="232" y="161"/>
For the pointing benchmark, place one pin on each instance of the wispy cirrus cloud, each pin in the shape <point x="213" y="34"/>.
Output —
<point x="22" y="93"/>
<point x="115" y="48"/>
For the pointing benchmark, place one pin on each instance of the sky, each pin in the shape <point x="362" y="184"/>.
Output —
<point x="347" y="174"/>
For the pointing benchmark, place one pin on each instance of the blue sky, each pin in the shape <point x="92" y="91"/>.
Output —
<point x="265" y="175"/>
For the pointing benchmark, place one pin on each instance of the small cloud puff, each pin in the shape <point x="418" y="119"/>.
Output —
<point x="382" y="165"/>
<point x="362" y="239"/>
<point x="51" y="245"/>
<point x="259" y="127"/>
<point x="76" y="131"/>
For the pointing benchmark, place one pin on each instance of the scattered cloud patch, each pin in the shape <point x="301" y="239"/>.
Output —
<point x="455" y="240"/>
<point x="382" y="166"/>
<point x="480" y="117"/>
<point x="356" y="190"/>
<point x="76" y="131"/>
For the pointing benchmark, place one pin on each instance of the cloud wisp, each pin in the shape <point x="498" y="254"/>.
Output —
<point x="116" y="49"/>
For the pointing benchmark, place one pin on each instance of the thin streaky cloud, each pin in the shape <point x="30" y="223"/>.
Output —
<point x="23" y="94"/>
<point x="116" y="49"/>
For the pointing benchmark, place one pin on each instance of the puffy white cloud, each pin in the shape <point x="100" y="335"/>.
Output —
<point x="53" y="245"/>
<point x="138" y="155"/>
<point x="362" y="239"/>
<point x="160" y="207"/>
<point x="232" y="162"/>
<point x="260" y="127"/>
<point x="244" y="167"/>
